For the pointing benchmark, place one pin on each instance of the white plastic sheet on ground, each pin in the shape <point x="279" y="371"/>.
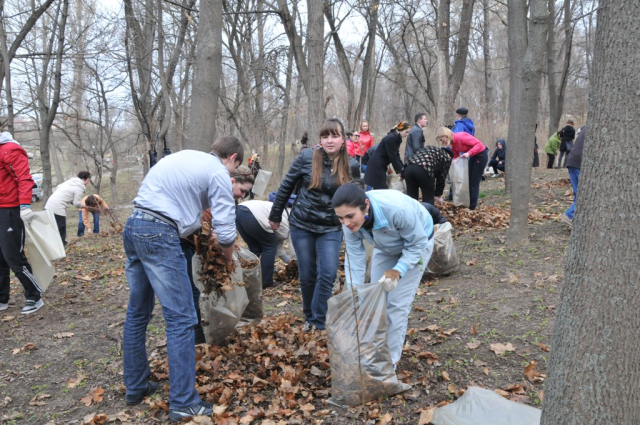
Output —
<point x="43" y="244"/>
<point x="459" y="174"/>
<point x="484" y="407"/>
<point x="260" y="185"/>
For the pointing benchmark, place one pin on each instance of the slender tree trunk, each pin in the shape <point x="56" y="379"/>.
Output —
<point x="520" y="149"/>
<point x="56" y="165"/>
<point x="206" y="77"/>
<point x="315" y="60"/>
<point x="595" y="362"/>
<point x="368" y="66"/>
<point x="284" y="122"/>
<point x="488" y="70"/>
<point x="442" y="33"/>
<point x="6" y="65"/>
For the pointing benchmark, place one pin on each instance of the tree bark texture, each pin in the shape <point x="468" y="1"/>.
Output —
<point x="595" y="363"/>
<point x="315" y="52"/>
<point x="489" y="91"/>
<point x="558" y="85"/>
<point x="206" y="77"/>
<point x="520" y="152"/>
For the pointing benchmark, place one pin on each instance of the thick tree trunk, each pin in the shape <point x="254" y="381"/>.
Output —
<point x="315" y="60"/>
<point x="519" y="154"/>
<point x="206" y="77"/>
<point x="442" y="32"/>
<point x="595" y="363"/>
<point x="368" y="66"/>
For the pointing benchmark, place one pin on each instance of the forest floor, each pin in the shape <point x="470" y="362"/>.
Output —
<point x="484" y="325"/>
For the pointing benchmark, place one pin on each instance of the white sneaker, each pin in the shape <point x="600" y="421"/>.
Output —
<point x="32" y="306"/>
<point x="495" y="175"/>
<point x="4" y="306"/>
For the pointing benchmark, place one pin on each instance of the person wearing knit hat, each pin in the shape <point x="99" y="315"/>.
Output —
<point x="387" y="153"/>
<point x="463" y="123"/>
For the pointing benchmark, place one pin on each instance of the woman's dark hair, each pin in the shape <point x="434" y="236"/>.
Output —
<point x="84" y="175"/>
<point x="350" y="195"/>
<point x="304" y="139"/>
<point x="340" y="165"/>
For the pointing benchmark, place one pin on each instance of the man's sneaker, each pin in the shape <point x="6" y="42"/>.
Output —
<point x="203" y="408"/>
<point x="495" y="175"/>
<point x="566" y="219"/>
<point x="32" y="306"/>
<point x="4" y="306"/>
<point x="135" y="400"/>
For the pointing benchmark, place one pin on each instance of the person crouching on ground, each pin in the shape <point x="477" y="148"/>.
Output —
<point x="95" y="205"/>
<point x="315" y="229"/>
<point x="401" y="231"/>
<point x="498" y="158"/>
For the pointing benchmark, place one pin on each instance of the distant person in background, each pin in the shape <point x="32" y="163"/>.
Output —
<point x="551" y="149"/>
<point x="365" y="138"/>
<point x="95" y="205"/>
<point x="16" y="186"/>
<point x="463" y="122"/>
<point x="67" y="193"/>
<point x="567" y="135"/>
<point x="388" y="153"/>
<point x="254" y="167"/>
<point x="426" y="170"/>
<point x="304" y="142"/>
<point x="351" y="147"/>
<point x="465" y="145"/>
<point x="574" y="162"/>
<point x="499" y="156"/>
<point x="415" y="139"/>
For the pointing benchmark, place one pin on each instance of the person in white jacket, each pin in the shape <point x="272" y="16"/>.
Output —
<point x="67" y="193"/>
<point x="401" y="231"/>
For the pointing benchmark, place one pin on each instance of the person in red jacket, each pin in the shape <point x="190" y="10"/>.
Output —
<point x="365" y="139"/>
<point x="466" y="146"/>
<point x="16" y="185"/>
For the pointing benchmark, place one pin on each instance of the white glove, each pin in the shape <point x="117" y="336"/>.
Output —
<point x="388" y="284"/>
<point x="27" y="215"/>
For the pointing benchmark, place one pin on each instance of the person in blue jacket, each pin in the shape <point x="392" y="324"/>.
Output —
<point x="463" y="123"/>
<point x="401" y="231"/>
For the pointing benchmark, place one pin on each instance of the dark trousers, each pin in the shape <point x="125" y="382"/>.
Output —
<point x="476" y="170"/>
<point x="96" y="223"/>
<point x="551" y="158"/>
<point x="61" y="221"/>
<point x="318" y="256"/>
<point x="12" y="235"/>
<point x="494" y="164"/>
<point x="417" y="178"/>
<point x="260" y="242"/>
<point x="564" y="154"/>
<point x="189" y="250"/>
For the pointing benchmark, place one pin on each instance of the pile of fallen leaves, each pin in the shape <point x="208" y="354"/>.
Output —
<point x="274" y="358"/>
<point x="215" y="272"/>
<point x="484" y="217"/>
<point x="555" y="183"/>
<point x="288" y="273"/>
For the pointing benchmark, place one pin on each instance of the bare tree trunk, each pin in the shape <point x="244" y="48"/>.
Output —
<point x="557" y="93"/>
<point x="284" y="122"/>
<point x="488" y="70"/>
<point x="6" y="65"/>
<point x="206" y="77"/>
<point x="56" y="165"/>
<point x="595" y="362"/>
<point x="521" y="147"/>
<point x="315" y="54"/>
<point x="368" y="66"/>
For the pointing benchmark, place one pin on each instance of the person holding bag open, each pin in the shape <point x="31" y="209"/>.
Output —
<point x="401" y="231"/>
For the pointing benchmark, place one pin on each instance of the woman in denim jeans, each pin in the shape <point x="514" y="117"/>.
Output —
<point x="315" y="229"/>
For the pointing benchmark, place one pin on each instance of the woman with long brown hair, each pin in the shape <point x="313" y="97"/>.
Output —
<point x="315" y="230"/>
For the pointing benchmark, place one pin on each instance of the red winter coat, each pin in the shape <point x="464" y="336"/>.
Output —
<point x="16" y="183"/>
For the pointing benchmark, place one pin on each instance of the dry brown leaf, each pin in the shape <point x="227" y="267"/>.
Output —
<point x="7" y="318"/>
<point x="71" y="383"/>
<point x="544" y="347"/>
<point x="219" y="409"/>
<point x="426" y="416"/>
<point x="63" y="335"/>
<point x="515" y="388"/>
<point x="386" y="419"/>
<point x="472" y="262"/>
<point x="500" y="349"/>
<point x="38" y="400"/>
<point x="450" y="331"/>
<point x="519" y="398"/>
<point x="486" y="371"/>
<point x="95" y="395"/>
<point x="445" y="375"/>
<point x="501" y="392"/>
<point x="452" y="388"/>
<point x="532" y="374"/>
<point x="474" y="329"/>
<point x="474" y="345"/>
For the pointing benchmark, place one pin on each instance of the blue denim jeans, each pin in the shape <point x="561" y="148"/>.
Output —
<point x="574" y="176"/>
<point x="156" y="266"/>
<point x="318" y="256"/>
<point x="96" y="223"/>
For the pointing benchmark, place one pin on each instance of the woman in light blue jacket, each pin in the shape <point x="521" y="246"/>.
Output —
<point x="401" y="231"/>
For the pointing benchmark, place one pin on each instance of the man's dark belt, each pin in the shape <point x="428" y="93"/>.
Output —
<point x="157" y="215"/>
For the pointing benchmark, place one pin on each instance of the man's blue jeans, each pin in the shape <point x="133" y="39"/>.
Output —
<point x="96" y="223"/>
<point x="156" y="267"/>
<point x="318" y="256"/>
<point x="574" y="175"/>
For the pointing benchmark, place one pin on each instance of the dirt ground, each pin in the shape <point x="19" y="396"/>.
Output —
<point x="63" y="364"/>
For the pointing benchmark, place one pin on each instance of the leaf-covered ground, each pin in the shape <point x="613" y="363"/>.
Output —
<point x="488" y="324"/>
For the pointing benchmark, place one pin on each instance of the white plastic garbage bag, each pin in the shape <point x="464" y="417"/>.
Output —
<point x="459" y="174"/>
<point x="43" y="244"/>
<point x="401" y="186"/>
<point x="444" y="258"/>
<point x="260" y="185"/>
<point x="484" y="407"/>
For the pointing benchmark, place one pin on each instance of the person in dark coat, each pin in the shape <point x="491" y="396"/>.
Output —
<point x="426" y="171"/>
<point x="387" y="153"/>
<point x="315" y="230"/>
<point x="499" y="156"/>
<point x="567" y="134"/>
<point x="415" y="139"/>
<point x="437" y="217"/>
<point x="574" y="162"/>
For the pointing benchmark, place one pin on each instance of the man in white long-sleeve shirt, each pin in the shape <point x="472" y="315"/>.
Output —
<point x="169" y="205"/>
<point x="67" y="193"/>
